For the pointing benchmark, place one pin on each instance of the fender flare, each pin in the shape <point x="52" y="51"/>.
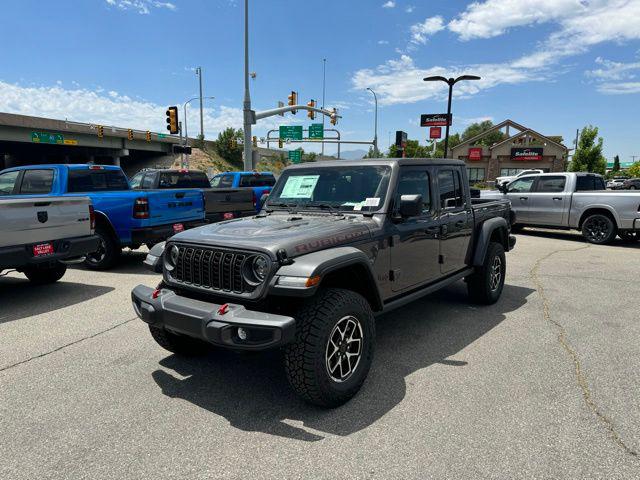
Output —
<point x="321" y="264"/>
<point x="105" y="218"/>
<point x="484" y="238"/>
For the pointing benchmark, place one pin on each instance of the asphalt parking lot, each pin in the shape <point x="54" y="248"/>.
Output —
<point x="543" y="384"/>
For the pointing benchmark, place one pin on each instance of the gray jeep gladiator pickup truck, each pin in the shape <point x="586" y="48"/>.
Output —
<point x="336" y="244"/>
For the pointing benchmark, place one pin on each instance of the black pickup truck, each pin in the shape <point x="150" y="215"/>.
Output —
<point x="336" y="244"/>
<point x="220" y="203"/>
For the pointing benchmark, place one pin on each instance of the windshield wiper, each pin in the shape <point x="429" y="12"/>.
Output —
<point x="325" y="206"/>
<point x="289" y="206"/>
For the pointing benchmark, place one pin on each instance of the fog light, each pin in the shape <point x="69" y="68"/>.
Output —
<point x="242" y="334"/>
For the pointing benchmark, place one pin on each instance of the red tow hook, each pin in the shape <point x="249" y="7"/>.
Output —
<point x="223" y="309"/>
<point x="156" y="293"/>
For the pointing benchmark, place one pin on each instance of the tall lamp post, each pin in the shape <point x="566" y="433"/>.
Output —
<point x="451" y="82"/>
<point x="248" y="153"/>
<point x="186" y="128"/>
<point x="199" y="73"/>
<point x="375" y="135"/>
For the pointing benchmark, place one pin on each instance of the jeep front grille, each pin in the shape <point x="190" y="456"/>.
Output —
<point x="213" y="269"/>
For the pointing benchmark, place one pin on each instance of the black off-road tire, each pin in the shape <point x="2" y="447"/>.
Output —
<point x="46" y="275"/>
<point x="108" y="252"/>
<point x="178" y="344"/>
<point x="306" y="358"/>
<point x="599" y="229"/>
<point x="485" y="285"/>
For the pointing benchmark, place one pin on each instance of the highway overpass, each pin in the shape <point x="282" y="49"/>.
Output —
<point x="26" y="140"/>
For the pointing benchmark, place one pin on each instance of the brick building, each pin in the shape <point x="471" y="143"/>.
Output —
<point x="520" y="148"/>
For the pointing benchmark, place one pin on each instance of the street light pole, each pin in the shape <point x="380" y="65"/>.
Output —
<point x="324" y="84"/>
<point x="199" y="73"/>
<point x="375" y="136"/>
<point x="186" y="128"/>
<point x="248" y="155"/>
<point x="451" y="82"/>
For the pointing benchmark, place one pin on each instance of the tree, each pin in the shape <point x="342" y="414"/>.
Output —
<point x="634" y="170"/>
<point x="616" y="164"/>
<point x="229" y="147"/>
<point x="371" y="153"/>
<point x="588" y="156"/>
<point x="478" y="128"/>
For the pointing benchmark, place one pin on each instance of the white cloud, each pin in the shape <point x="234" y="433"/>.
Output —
<point x="383" y="42"/>
<point x="611" y="70"/>
<point x="400" y="81"/>
<point x="420" y="31"/>
<point x="389" y="4"/>
<point x="113" y="108"/>
<point x="143" y="7"/>
<point x="621" y="88"/>
<point x="409" y="8"/>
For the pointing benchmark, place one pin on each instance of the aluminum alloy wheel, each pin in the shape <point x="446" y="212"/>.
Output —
<point x="100" y="253"/>
<point x="597" y="229"/>
<point x="496" y="273"/>
<point x="344" y="349"/>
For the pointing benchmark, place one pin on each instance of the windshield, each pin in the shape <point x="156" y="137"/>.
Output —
<point x="341" y="188"/>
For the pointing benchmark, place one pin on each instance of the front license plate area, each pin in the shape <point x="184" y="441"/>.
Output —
<point x="178" y="227"/>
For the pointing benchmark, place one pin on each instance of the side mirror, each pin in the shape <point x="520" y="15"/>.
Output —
<point x="504" y="187"/>
<point x="410" y="205"/>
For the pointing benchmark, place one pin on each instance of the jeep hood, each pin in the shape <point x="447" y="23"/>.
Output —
<point x="297" y="234"/>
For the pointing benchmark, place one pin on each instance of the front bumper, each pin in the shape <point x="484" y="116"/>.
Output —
<point x="159" y="233"/>
<point x="203" y="321"/>
<point x="21" y="256"/>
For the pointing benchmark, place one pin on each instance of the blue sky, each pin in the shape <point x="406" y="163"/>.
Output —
<point x="553" y="65"/>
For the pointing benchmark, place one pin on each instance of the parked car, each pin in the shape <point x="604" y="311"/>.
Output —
<point x="220" y="203"/>
<point x="260" y="183"/>
<point x="124" y="217"/>
<point x="505" y="180"/>
<point x="631" y="184"/>
<point x="334" y="246"/>
<point x="616" y="183"/>
<point x="41" y="235"/>
<point x="573" y="201"/>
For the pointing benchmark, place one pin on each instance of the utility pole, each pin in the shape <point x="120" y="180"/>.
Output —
<point x="375" y="135"/>
<point x="199" y="73"/>
<point x="324" y="83"/>
<point x="248" y="153"/>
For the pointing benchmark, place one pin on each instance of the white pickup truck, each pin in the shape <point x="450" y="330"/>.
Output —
<point x="39" y="236"/>
<point x="576" y="201"/>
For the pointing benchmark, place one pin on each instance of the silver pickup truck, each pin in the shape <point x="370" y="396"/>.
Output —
<point x="576" y="201"/>
<point x="39" y="236"/>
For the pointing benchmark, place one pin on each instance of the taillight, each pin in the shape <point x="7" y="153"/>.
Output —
<point x="141" y="208"/>
<point x="92" y="218"/>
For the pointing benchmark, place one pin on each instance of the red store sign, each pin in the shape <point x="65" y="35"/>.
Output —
<point x="435" y="132"/>
<point x="475" y="154"/>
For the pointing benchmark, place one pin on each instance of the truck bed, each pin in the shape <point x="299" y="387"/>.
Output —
<point x="485" y="208"/>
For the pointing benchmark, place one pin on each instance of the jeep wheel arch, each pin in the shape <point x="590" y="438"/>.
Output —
<point x="494" y="229"/>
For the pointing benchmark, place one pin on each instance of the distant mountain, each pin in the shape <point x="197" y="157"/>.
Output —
<point x="353" y="154"/>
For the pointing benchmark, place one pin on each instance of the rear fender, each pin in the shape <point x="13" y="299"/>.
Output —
<point x="497" y="224"/>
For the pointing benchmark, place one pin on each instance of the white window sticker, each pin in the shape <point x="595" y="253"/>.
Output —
<point x="300" y="187"/>
<point x="372" y="202"/>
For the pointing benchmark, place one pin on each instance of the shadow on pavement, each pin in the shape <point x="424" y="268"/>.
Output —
<point x="20" y="299"/>
<point x="573" y="236"/>
<point x="252" y="393"/>
<point x="129" y="263"/>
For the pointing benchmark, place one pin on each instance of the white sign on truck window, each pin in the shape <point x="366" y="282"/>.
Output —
<point x="300" y="186"/>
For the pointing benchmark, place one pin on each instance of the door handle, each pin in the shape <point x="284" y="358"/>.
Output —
<point x="460" y="223"/>
<point x="557" y="198"/>
<point x="524" y="198"/>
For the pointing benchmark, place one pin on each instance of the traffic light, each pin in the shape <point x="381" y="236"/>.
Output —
<point x="172" y="120"/>
<point x="310" y="113"/>
<point x="293" y="100"/>
<point x="100" y="131"/>
<point x="148" y="136"/>
<point x="280" y="143"/>
<point x="334" y="116"/>
<point x="130" y="134"/>
<point x="254" y="141"/>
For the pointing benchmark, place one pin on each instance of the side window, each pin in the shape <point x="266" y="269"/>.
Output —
<point x="147" y="182"/>
<point x="36" y="182"/>
<point x="551" y="184"/>
<point x="589" y="182"/>
<point x="7" y="182"/>
<point x="415" y="182"/>
<point x="449" y="188"/>
<point x="521" y="185"/>
<point x="135" y="181"/>
<point x="226" y="181"/>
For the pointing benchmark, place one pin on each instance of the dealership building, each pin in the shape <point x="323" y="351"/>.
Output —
<point x="520" y="148"/>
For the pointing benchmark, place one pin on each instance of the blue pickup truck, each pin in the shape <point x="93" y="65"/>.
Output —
<point x="259" y="182"/>
<point x="124" y="217"/>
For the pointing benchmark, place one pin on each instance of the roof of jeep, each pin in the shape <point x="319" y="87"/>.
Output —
<point x="379" y="161"/>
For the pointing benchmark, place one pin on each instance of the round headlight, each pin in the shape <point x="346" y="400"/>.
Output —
<point x="172" y="257"/>
<point x="260" y="267"/>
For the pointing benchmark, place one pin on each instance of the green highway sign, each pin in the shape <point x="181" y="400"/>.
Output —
<point x="53" y="138"/>
<point x="162" y="135"/>
<point x="316" y="131"/>
<point x="292" y="132"/>
<point x="295" y="155"/>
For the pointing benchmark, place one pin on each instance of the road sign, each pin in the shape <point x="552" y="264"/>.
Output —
<point x="434" y="120"/>
<point x="316" y="131"/>
<point x="291" y="132"/>
<point x="53" y="138"/>
<point x="69" y="141"/>
<point x="295" y="156"/>
<point x="435" y="132"/>
<point x="162" y="135"/>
